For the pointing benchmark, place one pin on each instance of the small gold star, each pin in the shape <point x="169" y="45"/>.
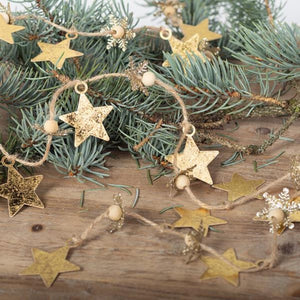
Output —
<point x="56" y="53"/>
<point x="49" y="265"/>
<point x="198" y="219"/>
<point x="20" y="191"/>
<point x="201" y="30"/>
<point x="87" y="120"/>
<point x="239" y="187"/>
<point x="184" y="49"/>
<point x="6" y="31"/>
<point x="192" y="157"/>
<point x="218" y="268"/>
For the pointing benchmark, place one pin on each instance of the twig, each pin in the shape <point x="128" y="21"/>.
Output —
<point x="146" y="139"/>
<point x="271" y="19"/>
<point x="252" y="149"/>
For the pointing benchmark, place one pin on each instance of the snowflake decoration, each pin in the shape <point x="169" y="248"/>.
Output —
<point x="171" y="19"/>
<point x="122" y="42"/>
<point x="284" y="205"/>
<point x="135" y="73"/>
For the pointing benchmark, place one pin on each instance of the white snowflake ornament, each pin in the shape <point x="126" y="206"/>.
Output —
<point x="122" y="33"/>
<point x="281" y="211"/>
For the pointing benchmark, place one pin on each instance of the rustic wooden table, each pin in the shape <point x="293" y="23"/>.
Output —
<point x="138" y="262"/>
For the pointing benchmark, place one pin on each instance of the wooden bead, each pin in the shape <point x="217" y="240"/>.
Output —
<point x="181" y="182"/>
<point x="51" y="126"/>
<point x="276" y="215"/>
<point x="5" y="16"/>
<point x="115" y="212"/>
<point x="148" y="78"/>
<point x="169" y="11"/>
<point x="119" y="32"/>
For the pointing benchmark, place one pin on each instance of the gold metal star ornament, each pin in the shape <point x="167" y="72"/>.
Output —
<point x="198" y="219"/>
<point x="194" y="161"/>
<point x="87" y="120"/>
<point x="201" y="30"/>
<point x="184" y="49"/>
<point x="20" y="191"/>
<point x="239" y="186"/>
<point x="218" y="268"/>
<point x="49" y="265"/>
<point x="57" y="53"/>
<point x="6" y="31"/>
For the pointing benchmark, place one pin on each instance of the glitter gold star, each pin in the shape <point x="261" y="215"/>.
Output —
<point x="183" y="49"/>
<point x="218" y="268"/>
<point x="192" y="157"/>
<point x="87" y="120"/>
<point x="201" y="30"/>
<point x="239" y="187"/>
<point x="49" y="265"/>
<point x="20" y="191"/>
<point x="56" y="53"/>
<point x="6" y="31"/>
<point x="197" y="218"/>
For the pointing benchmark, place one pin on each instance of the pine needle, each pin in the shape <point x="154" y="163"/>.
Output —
<point x="277" y="156"/>
<point x="237" y="126"/>
<point x="149" y="177"/>
<point x="136" y="198"/>
<point x="168" y="208"/>
<point x="137" y="163"/>
<point x="82" y="198"/>
<point x="255" y="165"/>
<point x="267" y="164"/>
<point x="215" y="230"/>
<point x="126" y="190"/>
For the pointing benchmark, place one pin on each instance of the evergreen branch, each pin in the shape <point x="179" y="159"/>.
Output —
<point x="279" y="60"/>
<point x="252" y="149"/>
<point x="44" y="9"/>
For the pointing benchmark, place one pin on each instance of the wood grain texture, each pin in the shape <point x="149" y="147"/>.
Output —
<point x="138" y="262"/>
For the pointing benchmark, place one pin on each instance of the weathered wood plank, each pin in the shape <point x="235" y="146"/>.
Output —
<point x="137" y="262"/>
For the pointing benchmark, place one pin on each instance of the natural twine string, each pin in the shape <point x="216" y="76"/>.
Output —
<point x="81" y="33"/>
<point x="242" y="201"/>
<point x="267" y="263"/>
<point x="76" y="241"/>
<point x="186" y="125"/>
<point x="71" y="84"/>
<point x="62" y="28"/>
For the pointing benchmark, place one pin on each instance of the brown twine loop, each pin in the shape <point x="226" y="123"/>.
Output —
<point x="81" y="88"/>
<point x="260" y="263"/>
<point x="72" y="35"/>
<point x="186" y="127"/>
<point x="165" y="34"/>
<point x="10" y="158"/>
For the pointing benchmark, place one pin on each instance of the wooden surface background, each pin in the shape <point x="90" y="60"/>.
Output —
<point x="138" y="262"/>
